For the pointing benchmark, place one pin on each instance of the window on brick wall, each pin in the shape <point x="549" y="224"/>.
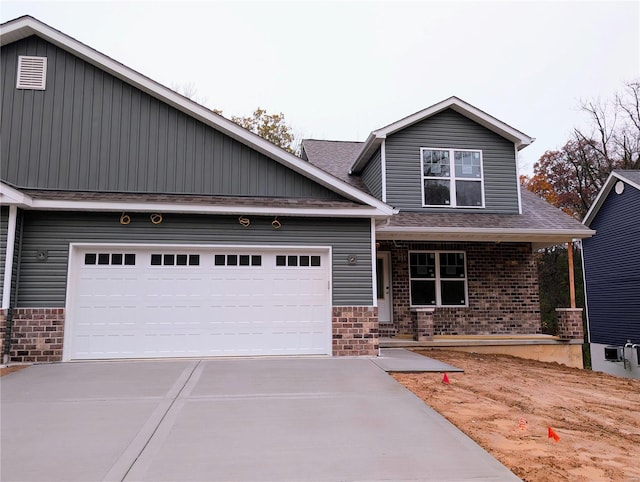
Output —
<point x="438" y="278"/>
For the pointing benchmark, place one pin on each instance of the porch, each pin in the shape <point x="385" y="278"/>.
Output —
<point x="545" y="348"/>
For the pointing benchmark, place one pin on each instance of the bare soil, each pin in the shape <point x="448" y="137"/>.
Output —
<point x="507" y="404"/>
<point x="10" y="369"/>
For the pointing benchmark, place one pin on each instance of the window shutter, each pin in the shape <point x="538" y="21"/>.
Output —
<point x="32" y="73"/>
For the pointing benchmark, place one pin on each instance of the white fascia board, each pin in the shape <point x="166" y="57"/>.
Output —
<point x="369" y="147"/>
<point x="10" y="196"/>
<point x="604" y="193"/>
<point x="518" y="187"/>
<point x="482" y="234"/>
<point x="26" y="26"/>
<point x="520" y="139"/>
<point x="130" y="207"/>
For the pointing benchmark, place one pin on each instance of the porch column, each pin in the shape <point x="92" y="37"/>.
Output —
<point x="572" y="285"/>
<point x="8" y="259"/>
<point x="422" y="323"/>
<point x="570" y="324"/>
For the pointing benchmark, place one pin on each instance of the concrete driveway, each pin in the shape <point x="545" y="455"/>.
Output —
<point x="267" y="419"/>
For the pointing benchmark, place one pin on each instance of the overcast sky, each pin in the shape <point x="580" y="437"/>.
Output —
<point x="339" y="69"/>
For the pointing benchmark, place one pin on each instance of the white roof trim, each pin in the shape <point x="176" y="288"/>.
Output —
<point x="520" y="139"/>
<point x="604" y="193"/>
<point x="150" y="207"/>
<point x="577" y="233"/>
<point x="22" y="27"/>
<point x="10" y="196"/>
<point x="539" y="238"/>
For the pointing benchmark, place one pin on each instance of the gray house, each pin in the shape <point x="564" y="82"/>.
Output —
<point x="136" y="223"/>
<point x="611" y="261"/>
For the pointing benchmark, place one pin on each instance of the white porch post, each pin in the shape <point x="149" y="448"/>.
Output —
<point x="8" y="262"/>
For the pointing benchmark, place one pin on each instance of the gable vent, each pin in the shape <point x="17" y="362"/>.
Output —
<point x="32" y="73"/>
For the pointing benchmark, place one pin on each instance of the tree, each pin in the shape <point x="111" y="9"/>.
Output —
<point x="553" y="278"/>
<point x="570" y="178"/>
<point x="615" y="133"/>
<point x="271" y="127"/>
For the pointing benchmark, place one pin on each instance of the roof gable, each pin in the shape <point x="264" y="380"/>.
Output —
<point x="376" y="137"/>
<point x="24" y="27"/>
<point x="629" y="177"/>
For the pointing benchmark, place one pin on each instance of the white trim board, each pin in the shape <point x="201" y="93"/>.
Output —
<point x="376" y="137"/>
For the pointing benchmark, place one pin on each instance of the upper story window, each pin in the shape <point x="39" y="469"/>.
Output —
<point x="452" y="178"/>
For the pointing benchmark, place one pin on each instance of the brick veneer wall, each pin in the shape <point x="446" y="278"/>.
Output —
<point x="37" y="335"/>
<point x="355" y="330"/>
<point x="502" y="282"/>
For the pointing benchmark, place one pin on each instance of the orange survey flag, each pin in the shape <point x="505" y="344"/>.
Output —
<point x="552" y="434"/>
<point x="445" y="379"/>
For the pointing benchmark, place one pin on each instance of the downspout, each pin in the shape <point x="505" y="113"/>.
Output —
<point x="8" y="274"/>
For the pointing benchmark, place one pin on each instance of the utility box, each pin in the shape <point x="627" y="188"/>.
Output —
<point x="613" y="353"/>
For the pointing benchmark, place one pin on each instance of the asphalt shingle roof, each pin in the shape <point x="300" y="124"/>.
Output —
<point x="536" y="214"/>
<point x="335" y="157"/>
<point x="185" y="199"/>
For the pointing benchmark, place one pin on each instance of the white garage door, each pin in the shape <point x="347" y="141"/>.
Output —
<point x="152" y="302"/>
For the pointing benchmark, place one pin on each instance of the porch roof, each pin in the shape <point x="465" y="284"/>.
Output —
<point x="540" y="224"/>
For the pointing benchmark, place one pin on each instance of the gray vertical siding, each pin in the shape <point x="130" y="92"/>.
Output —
<point x="612" y="270"/>
<point x="89" y="131"/>
<point x="4" y="224"/>
<point x="43" y="284"/>
<point x="372" y="174"/>
<point x="450" y="129"/>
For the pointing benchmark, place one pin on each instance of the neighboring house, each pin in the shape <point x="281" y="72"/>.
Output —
<point x="611" y="261"/>
<point x="137" y="223"/>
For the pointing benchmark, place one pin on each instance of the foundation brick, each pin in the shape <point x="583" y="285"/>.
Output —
<point x="37" y="335"/>
<point x="355" y="331"/>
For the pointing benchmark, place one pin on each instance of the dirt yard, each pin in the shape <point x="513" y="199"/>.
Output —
<point x="507" y="404"/>
<point x="10" y="369"/>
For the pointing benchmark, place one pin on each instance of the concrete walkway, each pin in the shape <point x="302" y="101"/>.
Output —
<point x="263" y="419"/>
<point x="405" y="361"/>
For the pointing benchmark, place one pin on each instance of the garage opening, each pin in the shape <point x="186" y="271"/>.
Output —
<point x="191" y="301"/>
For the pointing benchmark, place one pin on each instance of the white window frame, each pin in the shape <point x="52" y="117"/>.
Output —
<point x="452" y="178"/>
<point x="438" y="279"/>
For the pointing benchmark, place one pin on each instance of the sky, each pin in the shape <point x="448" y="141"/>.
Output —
<point x="340" y="69"/>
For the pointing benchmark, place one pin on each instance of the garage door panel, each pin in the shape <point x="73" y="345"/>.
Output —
<point x="272" y="304"/>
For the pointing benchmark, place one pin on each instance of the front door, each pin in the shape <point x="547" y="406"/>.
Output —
<point x="383" y="273"/>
